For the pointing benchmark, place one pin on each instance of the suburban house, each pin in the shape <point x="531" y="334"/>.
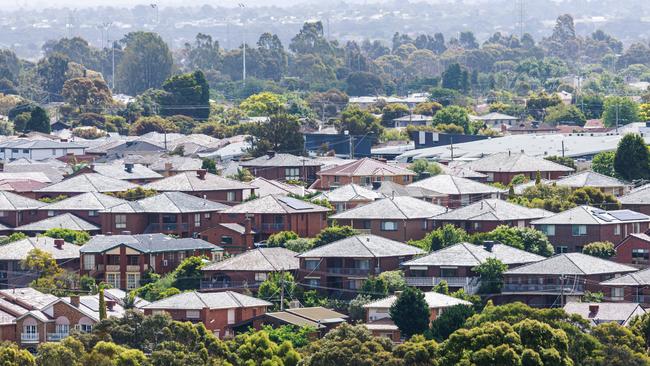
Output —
<point x="12" y="275"/>
<point x="486" y="215"/>
<point x="571" y="230"/>
<point x="362" y="172"/>
<point x="605" y="312"/>
<point x="317" y="317"/>
<point x="634" y="250"/>
<point x="89" y="182"/>
<point x="637" y="200"/>
<point x="16" y="210"/>
<point x="168" y="165"/>
<point x="632" y="287"/>
<point x="248" y="269"/>
<point x="121" y="260"/>
<point x="168" y="212"/>
<point x="283" y="167"/>
<point x="502" y="167"/>
<point x="452" y="191"/>
<point x="400" y="218"/>
<point x="86" y="206"/>
<point x="349" y="196"/>
<point x="413" y="120"/>
<point x="339" y="268"/>
<point x="266" y="187"/>
<point x="220" y="312"/>
<point x="38" y="149"/>
<point x="495" y="120"/>
<point x="559" y="279"/>
<point x="275" y="213"/>
<point x="590" y="178"/>
<point x="205" y="185"/>
<point x="459" y="170"/>
<point x="63" y="221"/>
<point x="454" y="264"/>
<point x="232" y="237"/>
<point x="131" y="172"/>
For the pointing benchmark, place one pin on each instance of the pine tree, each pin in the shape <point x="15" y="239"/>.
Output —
<point x="102" y="305"/>
<point x="410" y="312"/>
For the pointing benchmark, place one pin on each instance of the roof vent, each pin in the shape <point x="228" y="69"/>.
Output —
<point x="488" y="245"/>
<point x="128" y="167"/>
<point x="201" y="173"/>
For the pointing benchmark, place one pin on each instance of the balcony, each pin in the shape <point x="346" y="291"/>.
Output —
<point x="112" y="268"/>
<point x="433" y="281"/>
<point x="352" y="271"/>
<point x="135" y="268"/>
<point x="271" y="228"/>
<point x="171" y="227"/>
<point x="218" y="285"/>
<point x="55" y="337"/>
<point x="29" y="337"/>
<point x="568" y="289"/>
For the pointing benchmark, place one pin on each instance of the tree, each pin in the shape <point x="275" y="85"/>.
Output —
<point x="620" y="346"/>
<point x="333" y="233"/>
<point x="187" y="95"/>
<point x="52" y="71"/>
<point x="209" y="165"/>
<point x="11" y="354"/>
<point x="562" y="113"/>
<point x="62" y="353"/>
<point x="374" y="287"/>
<point x="87" y="93"/>
<point x="491" y="274"/>
<point x="410" y="312"/>
<point x="594" y="197"/>
<point x="455" y="78"/>
<point x="299" y="245"/>
<point x="441" y="238"/>
<point x="364" y="83"/>
<point x="454" y="115"/>
<point x="391" y="112"/>
<point x="147" y="63"/>
<point x="69" y="235"/>
<point x="620" y="109"/>
<point x="359" y="122"/>
<point x="263" y="104"/>
<point x="242" y="175"/>
<point x="427" y="108"/>
<point x="355" y="308"/>
<point x="279" y="239"/>
<point x="600" y="249"/>
<point x="603" y="163"/>
<point x="425" y="169"/>
<point x="564" y="160"/>
<point x="275" y="283"/>
<point x="280" y="134"/>
<point x="188" y="274"/>
<point x="632" y="158"/>
<point x="41" y="262"/>
<point x="394" y="280"/>
<point x="145" y="125"/>
<point x="134" y="194"/>
<point x="449" y="321"/>
<point x="102" y="304"/>
<point x="537" y="103"/>
<point x="525" y="238"/>
<point x="39" y="121"/>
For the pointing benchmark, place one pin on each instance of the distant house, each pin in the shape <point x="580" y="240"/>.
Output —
<point x="83" y="183"/>
<point x="413" y="120"/>
<point x="121" y="148"/>
<point x="452" y="191"/>
<point x="605" y="312"/>
<point x="495" y="120"/>
<point x="571" y="230"/>
<point x="637" y="200"/>
<point x="86" y="206"/>
<point x="134" y="173"/>
<point x="317" y="317"/>
<point x="398" y="218"/>
<point x="248" y="269"/>
<point x="203" y="184"/>
<point x="283" y="167"/>
<point x="632" y="287"/>
<point x="16" y="210"/>
<point x="62" y="221"/>
<point x="634" y="250"/>
<point x="590" y="178"/>
<point x="232" y="237"/>
<point x="349" y="196"/>
<point x="528" y="128"/>
<point x="167" y="165"/>
<point x="454" y="264"/>
<point x="502" y="167"/>
<point x="220" y="312"/>
<point x="362" y="172"/>
<point x="121" y="260"/>
<point x="38" y="149"/>
<point x="339" y="268"/>
<point x="266" y="187"/>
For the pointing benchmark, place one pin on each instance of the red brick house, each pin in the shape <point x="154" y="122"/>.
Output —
<point x="400" y="218"/>
<point x="16" y="210"/>
<point x="589" y="178"/>
<point x="502" y="167"/>
<point x="82" y="183"/>
<point x="453" y="192"/>
<point x="632" y="287"/>
<point x="220" y="312"/>
<point x="339" y="268"/>
<point x="248" y="269"/>
<point x="130" y="172"/>
<point x="283" y="167"/>
<point x="637" y="200"/>
<point x="121" y="260"/>
<point x="275" y="213"/>
<point x="86" y="206"/>
<point x="205" y="185"/>
<point x="62" y="221"/>
<point x="362" y="172"/>
<point x="571" y="230"/>
<point x="634" y="250"/>
<point x="349" y="196"/>
<point x="233" y="238"/>
<point x="486" y="215"/>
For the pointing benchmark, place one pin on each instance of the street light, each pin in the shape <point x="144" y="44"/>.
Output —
<point x="243" y="74"/>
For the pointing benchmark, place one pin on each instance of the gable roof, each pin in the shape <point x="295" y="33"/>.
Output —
<point x="86" y="201"/>
<point x="637" y="196"/>
<point x="571" y="264"/>
<point x="366" y="167"/>
<point x="618" y="312"/>
<point x="258" y="260"/>
<point x="349" y="192"/>
<point x="453" y="185"/>
<point x="89" y="182"/>
<point x="275" y="204"/>
<point x="590" y="178"/>
<point x="494" y="210"/>
<point x="434" y="299"/>
<point x="146" y="243"/>
<point x="212" y="300"/>
<point x="14" y="202"/>
<point x="469" y="255"/>
<point x="63" y="221"/>
<point x="190" y="182"/>
<point x="168" y="202"/>
<point x="118" y="170"/>
<point x="362" y="246"/>
<point x="587" y="215"/>
<point x="280" y="160"/>
<point x="639" y="278"/>
<point x="515" y="163"/>
<point x="19" y="249"/>
<point x="28" y="297"/>
<point x="399" y="207"/>
<point x="267" y="187"/>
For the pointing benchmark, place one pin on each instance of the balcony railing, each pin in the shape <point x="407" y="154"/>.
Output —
<point x="352" y="271"/>
<point x="433" y="281"/>
<point x="569" y="288"/>
<point x="159" y="228"/>
<point x="112" y="268"/>
<point x="55" y="337"/>
<point x="269" y="227"/>
<point x="29" y="337"/>
<point x="134" y="268"/>
<point x="216" y="285"/>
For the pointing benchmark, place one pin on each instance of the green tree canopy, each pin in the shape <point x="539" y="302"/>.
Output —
<point x="187" y="95"/>
<point x="281" y="134"/>
<point x="491" y="274"/>
<point x="601" y="249"/>
<point x="452" y="115"/>
<point x="441" y="238"/>
<point x="621" y="109"/>
<point x="632" y="160"/>
<point x="333" y="233"/>
<point x="147" y="63"/>
<point x="410" y="312"/>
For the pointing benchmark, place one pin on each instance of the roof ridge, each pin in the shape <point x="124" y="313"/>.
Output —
<point x="189" y="181"/>
<point x="235" y="299"/>
<point x="574" y="263"/>
<point x="397" y="207"/>
<point x="364" y="245"/>
<point x="267" y="259"/>
<point x="471" y="252"/>
<point x="196" y="293"/>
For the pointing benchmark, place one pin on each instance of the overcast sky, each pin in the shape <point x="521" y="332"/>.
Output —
<point x="13" y="4"/>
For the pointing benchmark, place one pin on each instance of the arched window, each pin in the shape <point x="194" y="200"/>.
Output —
<point x="86" y="324"/>
<point x="62" y="326"/>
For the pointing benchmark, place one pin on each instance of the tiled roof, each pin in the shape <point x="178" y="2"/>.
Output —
<point x="362" y="246"/>
<point x="640" y="278"/>
<point x="258" y="260"/>
<point x="280" y="160"/>
<point x="590" y="179"/>
<point x="400" y="207"/>
<point x="461" y="171"/>
<point x="27" y="296"/>
<point x="19" y="249"/>
<point x="178" y="163"/>
<point x="275" y="204"/>
<point x="452" y="185"/>
<point x="466" y="254"/>
<point x="118" y="170"/>
<point x="168" y="202"/>
<point x="349" y="192"/>
<point x="90" y="182"/>
<point x="520" y="188"/>
<point x="571" y="264"/>
<point x="366" y="167"/>
<point x="190" y="182"/>
<point x="212" y="300"/>
<point x="294" y="319"/>
<point x="494" y="116"/>
<point x="435" y="300"/>
<point x="587" y="215"/>
<point x="12" y="202"/>
<point x="515" y="163"/>
<point x="37" y="176"/>
<point x="494" y="210"/>
<point x="638" y="196"/>
<point x="267" y="187"/>
<point x="63" y="221"/>
<point x="146" y="243"/>
<point x="91" y="201"/>
<point x="619" y="312"/>
<point x="318" y="314"/>
<point x="20" y="185"/>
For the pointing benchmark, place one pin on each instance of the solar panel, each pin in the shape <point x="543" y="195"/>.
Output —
<point x="627" y="215"/>
<point x="295" y="203"/>
<point x="603" y="216"/>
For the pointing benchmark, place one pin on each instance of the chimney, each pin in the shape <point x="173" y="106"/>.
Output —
<point x="74" y="300"/>
<point x="201" y="173"/>
<point x="488" y="245"/>
<point x="593" y="310"/>
<point x="128" y="167"/>
<point x="110" y="304"/>
<point x="168" y="167"/>
<point x="58" y="243"/>
<point x="270" y="153"/>
<point x="247" y="226"/>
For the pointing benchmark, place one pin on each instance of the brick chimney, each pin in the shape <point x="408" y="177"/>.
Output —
<point x="110" y="304"/>
<point x="248" y="237"/>
<point x="201" y="173"/>
<point x="593" y="310"/>
<point x="58" y="243"/>
<point x="168" y="167"/>
<point x="74" y="300"/>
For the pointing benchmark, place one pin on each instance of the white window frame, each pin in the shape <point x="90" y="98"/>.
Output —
<point x="120" y="221"/>
<point x="292" y="173"/>
<point x="113" y="279"/>
<point x="261" y="276"/>
<point x="193" y="314"/>
<point x="197" y="219"/>
<point x="617" y="229"/>
<point x="231" y="316"/>
<point x="132" y="280"/>
<point x="231" y="196"/>
<point x="386" y="227"/>
<point x="582" y="230"/>
<point x="89" y="262"/>
<point x="618" y="293"/>
<point x="548" y="230"/>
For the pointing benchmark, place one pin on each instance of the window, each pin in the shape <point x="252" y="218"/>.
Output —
<point x="464" y="200"/>
<point x="425" y="224"/>
<point x="617" y="229"/>
<point x="53" y="151"/>
<point x="50" y="213"/>
<point x="312" y="282"/>
<point x="14" y="150"/>
<point x="93" y="213"/>
<point x="311" y="264"/>
<point x="89" y="262"/>
<point x="25" y="151"/>
<point x="230" y="196"/>
<point x="133" y="260"/>
<point x="362" y="263"/>
<point x="292" y="174"/>
<point x="197" y="219"/>
<point x="476" y="225"/>
<point x="636" y="227"/>
<point x="579" y="230"/>
<point x="227" y="240"/>
<point x="617" y="293"/>
<point x="85" y="328"/>
<point x="367" y="224"/>
<point x="132" y="280"/>
<point x="356" y="284"/>
<point x="193" y="314"/>
<point x="30" y="331"/>
<point x="388" y="226"/>
<point x="561" y="249"/>
<point x="113" y="279"/>
<point x="366" y="180"/>
<point x="62" y="328"/>
<point x="260" y="277"/>
<point x="336" y="179"/>
<point x="120" y="221"/>
<point x="490" y="177"/>
<point x="640" y="255"/>
<point x="405" y="178"/>
<point x="449" y="272"/>
<point x="340" y="207"/>
<point x="548" y="230"/>
<point x="113" y="260"/>
<point x="3" y="213"/>
<point x="206" y="215"/>
<point x="231" y="316"/>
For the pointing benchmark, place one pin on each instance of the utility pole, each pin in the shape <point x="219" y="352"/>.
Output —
<point x="562" y="278"/>
<point x="562" y="148"/>
<point x="243" y="75"/>
<point x="113" y="62"/>
<point x="617" y="107"/>
<point x="282" y="291"/>
<point x="451" y="138"/>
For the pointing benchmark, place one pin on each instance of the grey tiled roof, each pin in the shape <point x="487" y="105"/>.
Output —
<point x="258" y="260"/>
<point x="640" y="278"/>
<point x="90" y="182"/>
<point x="18" y="250"/>
<point x="366" y="167"/>
<point x="146" y="243"/>
<point x="168" y="202"/>
<point x="494" y="210"/>
<point x="362" y="246"/>
<point x="12" y="202"/>
<point x="515" y="163"/>
<point x="434" y="299"/>
<point x="590" y="179"/>
<point x="638" y="196"/>
<point x="190" y="182"/>
<point x="452" y="185"/>
<point x="349" y="192"/>
<point x="179" y="163"/>
<point x="63" y="221"/>
<point x="275" y="204"/>
<point x="619" y="312"/>
<point x="401" y="207"/>
<point x="29" y="296"/>
<point x="466" y="254"/>
<point x="280" y="160"/>
<point x="586" y="215"/>
<point x="86" y="201"/>
<point x="212" y="300"/>
<point x="572" y="264"/>
<point x="267" y="187"/>
<point x="118" y="170"/>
